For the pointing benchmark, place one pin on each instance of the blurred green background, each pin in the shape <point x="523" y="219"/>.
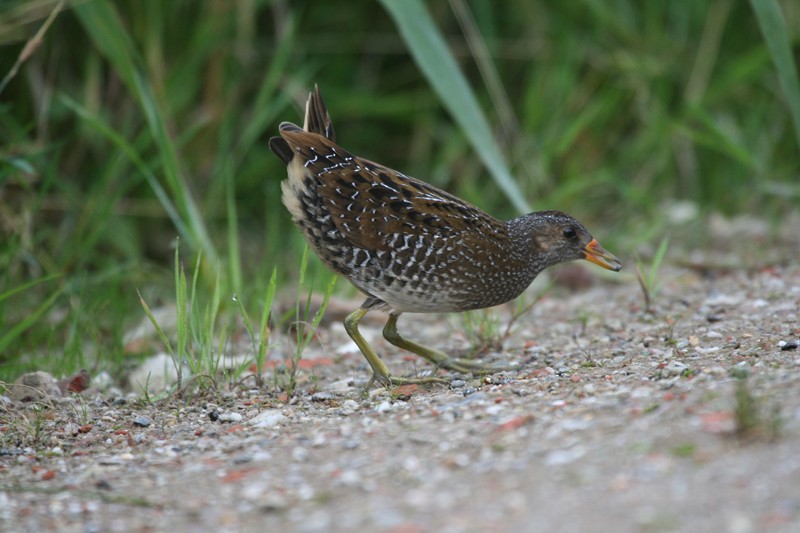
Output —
<point x="136" y="122"/>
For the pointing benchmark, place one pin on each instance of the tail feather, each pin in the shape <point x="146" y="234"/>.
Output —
<point x="317" y="118"/>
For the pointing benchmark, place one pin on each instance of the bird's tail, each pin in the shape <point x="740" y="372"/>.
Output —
<point x="317" y="120"/>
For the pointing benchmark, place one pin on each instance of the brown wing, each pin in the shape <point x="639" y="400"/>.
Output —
<point x="369" y="202"/>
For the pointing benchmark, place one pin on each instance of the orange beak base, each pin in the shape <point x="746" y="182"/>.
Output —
<point x="600" y="256"/>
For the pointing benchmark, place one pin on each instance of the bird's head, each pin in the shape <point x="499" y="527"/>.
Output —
<point x="556" y="237"/>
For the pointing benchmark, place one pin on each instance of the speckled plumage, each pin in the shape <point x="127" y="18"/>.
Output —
<point x="409" y="246"/>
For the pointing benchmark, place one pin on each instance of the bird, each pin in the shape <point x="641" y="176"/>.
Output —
<point x="411" y="247"/>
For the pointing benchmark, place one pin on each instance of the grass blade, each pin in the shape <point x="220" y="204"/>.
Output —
<point x="130" y="152"/>
<point x="264" y="332"/>
<point x="25" y="286"/>
<point x="159" y="330"/>
<point x="103" y="24"/>
<point x="182" y="314"/>
<point x="15" y="331"/>
<point x="430" y="52"/>
<point x="773" y="26"/>
<point x="234" y="257"/>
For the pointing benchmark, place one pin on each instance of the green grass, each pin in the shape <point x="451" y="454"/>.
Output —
<point x="752" y="420"/>
<point x="132" y="124"/>
<point x="651" y="281"/>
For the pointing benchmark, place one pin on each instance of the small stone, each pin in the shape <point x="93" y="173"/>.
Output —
<point x="673" y="368"/>
<point x="562" y="457"/>
<point x="273" y="501"/>
<point x="496" y="379"/>
<point x="785" y="346"/>
<point x="458" y="383"/>
<point x="322" y="396"/>
<point x="142" y="421"/>
<point x="461" y="459"/>
<point x="156" y="374"/>
<point x="719" y="300"/>
<point x="349" y="478"/>
<point x="469" y="390"/>
<point x="34" y="386"/>
<point x="383" y="407"/>
<point x="300" y="454"/>
<point x="230" y="417"/>
<point x="494" y="409"/>
<point x="102" y="380"/>
<point x="350" y="406"/>
<point x="268" y="419"/>
<point x="213" y="415"/>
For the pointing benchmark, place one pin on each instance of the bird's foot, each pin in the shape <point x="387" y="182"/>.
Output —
<point x="393" y="381"/>
<point x="466" y="366"/>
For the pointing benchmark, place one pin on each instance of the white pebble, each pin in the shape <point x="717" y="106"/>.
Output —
<point x="230" y="417"/>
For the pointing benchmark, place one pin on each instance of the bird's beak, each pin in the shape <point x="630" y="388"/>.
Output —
<point x="599" y="256"/>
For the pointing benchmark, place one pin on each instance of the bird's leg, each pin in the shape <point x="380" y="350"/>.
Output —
<point x="380" y="372"/>
<point x="436" y="357"/>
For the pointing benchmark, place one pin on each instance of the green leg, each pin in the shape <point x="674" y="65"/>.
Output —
<point x="436" y="357"/>
<point x="380" y="371"/>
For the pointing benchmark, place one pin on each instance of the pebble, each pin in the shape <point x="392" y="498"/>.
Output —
<point x="673" y="368"/>
<point x="230" y="417"/>
<point x="349" y="477"/>
<point x="102" y="380"/>
<point x="723" y="300"/>
<point x="156" y="374"/>
<point x="268" y="419"/>
<point x="383" y="407"/>
<point x="142" y="421"/>
<point x="350" y="406"/>
<point x="34" y="386"/>
<point x="562" y="457"/>
<point x="300" y="454"/>
<point x="322" y="396"/>
<point x="457" y="384"/>
<point x="789" y="345"/>
<point x="494" y="409"/>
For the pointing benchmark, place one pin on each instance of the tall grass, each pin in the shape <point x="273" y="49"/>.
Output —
<point x="132" y="123"/>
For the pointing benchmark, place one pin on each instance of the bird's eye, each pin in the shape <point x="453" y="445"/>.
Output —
<point x="570" y="233"/>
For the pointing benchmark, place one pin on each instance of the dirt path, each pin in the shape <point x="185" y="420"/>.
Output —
<point x="617" y="420"/>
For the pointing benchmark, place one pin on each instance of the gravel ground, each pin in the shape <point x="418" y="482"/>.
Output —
<point x="683" y="419"/>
